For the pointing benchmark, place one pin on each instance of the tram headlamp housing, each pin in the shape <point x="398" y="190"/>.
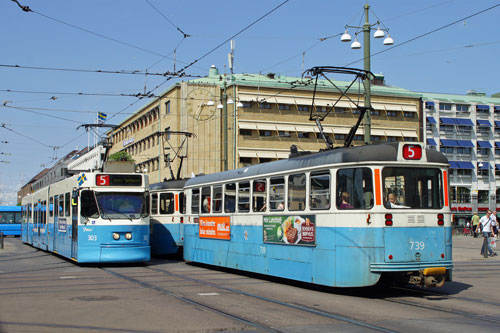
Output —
<point x="116" y="236"/>
<point x="128" y="236"/>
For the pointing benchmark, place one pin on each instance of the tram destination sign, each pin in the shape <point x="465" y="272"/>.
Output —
<point x="286" y="229"/>
<point x="118" y="180"/>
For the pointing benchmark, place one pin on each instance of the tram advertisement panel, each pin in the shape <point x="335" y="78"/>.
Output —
<point x="296" y="229"/>
<point x="217" y="227"/>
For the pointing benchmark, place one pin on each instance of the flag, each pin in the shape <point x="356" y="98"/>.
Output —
<point x="81" y="179"/>
<point x="101" y="116"/>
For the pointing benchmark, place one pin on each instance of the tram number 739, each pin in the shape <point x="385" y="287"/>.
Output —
<point x="417" y="245"/>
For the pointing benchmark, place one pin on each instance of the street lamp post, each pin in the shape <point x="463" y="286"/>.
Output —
<point x="379" y="33"/>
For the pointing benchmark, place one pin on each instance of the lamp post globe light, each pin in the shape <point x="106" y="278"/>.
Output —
<point x="379" y="33"/>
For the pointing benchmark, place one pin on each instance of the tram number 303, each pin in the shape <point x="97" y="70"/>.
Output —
<point x="417" y="245"/>
<point x="92" y="238"/>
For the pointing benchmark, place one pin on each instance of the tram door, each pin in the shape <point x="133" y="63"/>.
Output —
<point x="56" y="221"/>
<point x="74" y="225"/>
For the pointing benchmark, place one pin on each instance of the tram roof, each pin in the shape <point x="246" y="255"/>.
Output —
<point x="376" y="153"/>
<point x="168" y="185"/>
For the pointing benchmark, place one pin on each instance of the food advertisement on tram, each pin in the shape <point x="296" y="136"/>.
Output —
<point x="295" y="229"/>
<point x="217" y="227"/>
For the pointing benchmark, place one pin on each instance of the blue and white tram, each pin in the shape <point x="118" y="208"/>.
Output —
<point x="324" y="218"/>
<point x="91" y="217"/>
<point x="167" y="215"/>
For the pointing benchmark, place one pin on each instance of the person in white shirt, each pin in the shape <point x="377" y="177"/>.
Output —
<point x="486" y="222"/>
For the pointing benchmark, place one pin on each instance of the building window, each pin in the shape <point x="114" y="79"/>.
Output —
<point x="391" y="113"/>
<point x="264" y="106"/>
<point x="167" y="107"/>
<point x="284" y="133"/>
<point x="358" y="138"/>
<point x="339" y="136"/>
<point x="339" y="110"/>
<point x="303" y="107"/>
<point x="409" y="114"/>
<point x="284" y="106"/>
<point x="321" y="109"/>
<point x="392" y="139"/>
<point x="375" y="138"/>
<point x="265" y="133"/>
<point x="375" y="112"/>
<point x="245" y="132"/>
<point x="356" y="111"/>
<point x="462" y="108"/>
<point x="303" y="135"/>
<point x="444" y="106"/>
<point x="247" y="105"/>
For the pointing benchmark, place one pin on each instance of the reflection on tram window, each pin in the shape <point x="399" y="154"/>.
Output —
<point x="356" y="186"/>
<point x="412" y="188"/>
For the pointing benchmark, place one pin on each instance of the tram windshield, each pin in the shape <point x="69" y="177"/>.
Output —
<point x="114" y="205"/>
<point x="417" y="188"/>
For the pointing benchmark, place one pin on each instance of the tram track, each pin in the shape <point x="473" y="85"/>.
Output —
<point x="190" y="300"/>
<point x="466" y="314"/>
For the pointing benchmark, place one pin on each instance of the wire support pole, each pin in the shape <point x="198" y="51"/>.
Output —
<point x="366" y="82"/>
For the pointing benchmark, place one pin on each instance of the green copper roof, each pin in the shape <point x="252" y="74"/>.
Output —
<point x="470" y="98"/>
<point x="286" y="82"/>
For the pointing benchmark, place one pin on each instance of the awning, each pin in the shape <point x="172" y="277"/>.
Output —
<point x="247" y="126"/>
<point x="247" y="153"/>
<point x="484" y="144"/>
<point x="266" y="154"/>
<point x="447" y="121"/>
<point x="498" y="166"/>
<point x="464" y="122"/>
<point x="266" y="127"/>
<point x="305" y="129"/>
<point x="409" y="134"/>
<point x="496" y="108"/>
<point x="483" y="165"/>
<point x="285" y="128"/>
<point x="497" y="144"/>
<point x="448" y="143"/>
<point x="431" y="120"/>
<point x="453" y="165"/>
<point x="392" y="133"/>
<point x="497" y="123"/>
<point x="465" y="143"/>
<point x="484" y="123"/>
<point x="431" y="142"/>
<point x="429" y="103"/>
<point x="482" y="107"/>
<point x="409" y="108"/>
<point x="465" y="165"/>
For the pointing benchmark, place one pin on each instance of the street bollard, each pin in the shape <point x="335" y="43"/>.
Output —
<point x="485" y="247"/>
<point x="1" y="240"/>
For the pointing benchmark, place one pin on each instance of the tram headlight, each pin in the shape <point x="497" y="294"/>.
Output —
<point x="116" y="236"/>
<point x="128" y="236"/>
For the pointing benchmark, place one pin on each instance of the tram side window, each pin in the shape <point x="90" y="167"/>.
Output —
<point x="412" y="188"/>
<point x="88" y="204"/>
<point x="154" y="203"/>
<point x="44" y="212"/>
<point x="182" y="200"/>
<point x="51" y="206"/>
<point x="61" y="205"/>
<point x="35" y="214"/>
<point x="277" y="194"/>
<point x="320" y="190"/>
<point x="354" y="188"/>
<point x="67" y="204"/>
<point x="230" y="198"/>
<point x="217" y="199"/>
<point x="259" y="195"/>
<point x="244" y="197"/>
<point x="167" y="204"/>
<point x="195" y="201"/>
<point x="205" y="199"/>
<point x="297" y="192"/>
<point x="56" y="205"/>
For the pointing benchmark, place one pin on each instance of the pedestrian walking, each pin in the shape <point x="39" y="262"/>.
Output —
<point x="494" y="223"/>
<point x="475" y="223"/>
<point x="485" y="222"/>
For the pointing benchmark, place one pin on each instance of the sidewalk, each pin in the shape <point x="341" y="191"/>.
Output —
<point x="469" y="248"/>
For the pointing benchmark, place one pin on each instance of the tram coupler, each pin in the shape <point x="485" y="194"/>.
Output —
<point x="429" y="277"/>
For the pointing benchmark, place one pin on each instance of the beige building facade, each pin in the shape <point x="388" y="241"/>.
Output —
<point x="229" y="121"/>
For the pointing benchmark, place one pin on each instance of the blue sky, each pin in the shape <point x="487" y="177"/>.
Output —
<point x="140" y="35"/>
